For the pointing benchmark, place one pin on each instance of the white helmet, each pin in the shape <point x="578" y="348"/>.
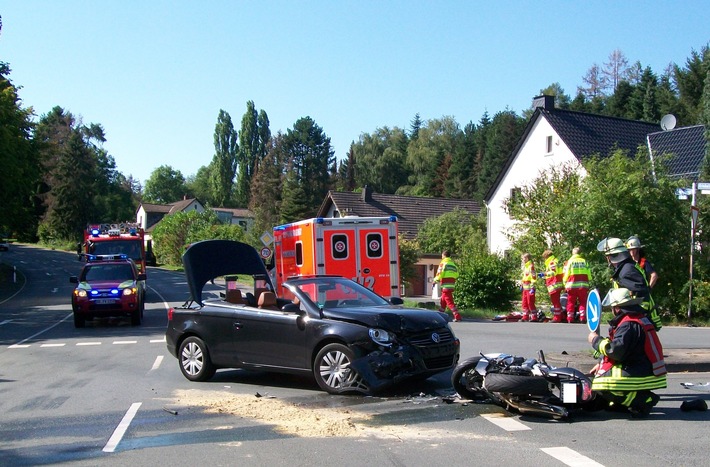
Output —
<point x="633" y="243"/>
<point x="620" y="297"/>
<point x="611" y="246"/>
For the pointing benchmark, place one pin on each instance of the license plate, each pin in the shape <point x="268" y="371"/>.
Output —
<point x="569" y="393"/>
<point x="105" y="301"/>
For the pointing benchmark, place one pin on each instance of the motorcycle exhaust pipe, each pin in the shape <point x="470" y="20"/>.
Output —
<point x="534" y="407"/>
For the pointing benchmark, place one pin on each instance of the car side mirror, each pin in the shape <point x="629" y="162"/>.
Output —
<point x="396" y="301"/>
<point x="74" y="280"/>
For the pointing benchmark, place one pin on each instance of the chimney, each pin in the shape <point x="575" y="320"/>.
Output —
<point x="544" y="102"/>
<point x="366" y="194"/>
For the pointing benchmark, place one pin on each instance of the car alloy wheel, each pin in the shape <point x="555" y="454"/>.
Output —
<point x="333" y="373"/>
<point x="195" y="362"/>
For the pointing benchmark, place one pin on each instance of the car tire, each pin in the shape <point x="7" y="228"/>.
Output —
<point x="332" y="372"/>
<point x="78" y="320"/>
<point x="194" y="359"/>
<point x="467" y="382"/>
<point x="520" y="385"/>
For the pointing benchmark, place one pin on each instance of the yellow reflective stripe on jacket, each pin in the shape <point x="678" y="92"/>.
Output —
<point x="615" y="381"/>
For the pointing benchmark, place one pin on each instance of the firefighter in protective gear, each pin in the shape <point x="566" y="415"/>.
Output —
<point x="629" y="275"/>
<point x="554" y="282"/>
<point x="632" y="364"/>
<point x="633" y="244"/>
<point x="576" y="277"/>
<point x="446" y="275"/>
<point x="530" y="312"/>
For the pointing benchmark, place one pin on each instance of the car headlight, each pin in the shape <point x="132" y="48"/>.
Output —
<point x="129" y="291"/>
<point x="381" y="337"/>
<point x="80" y="293"/>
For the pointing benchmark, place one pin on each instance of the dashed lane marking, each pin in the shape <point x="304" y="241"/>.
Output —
<point x="120" y="430"/>
<point x="507" y="423"/>
<point x="157" y="363"/>
<point x="82" y="344"/>
<point x="571" y="457"/>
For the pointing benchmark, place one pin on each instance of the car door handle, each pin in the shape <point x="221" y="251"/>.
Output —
<point x="237" y="325"/>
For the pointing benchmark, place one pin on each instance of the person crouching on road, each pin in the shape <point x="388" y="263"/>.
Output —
<point x="632" y="362"/>
<point x="576" y="278"/>
<point x="553" y="280"/>
<point x="528" y="282"/>
<point x="446" y="275"/>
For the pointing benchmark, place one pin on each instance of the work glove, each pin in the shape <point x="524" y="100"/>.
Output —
<point x="540" y="275"/>
<point x="532" y="291"/>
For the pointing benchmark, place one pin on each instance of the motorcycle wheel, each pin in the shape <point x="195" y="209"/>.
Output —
<point x="516" y="384"/>
<point x="467" y="382"/>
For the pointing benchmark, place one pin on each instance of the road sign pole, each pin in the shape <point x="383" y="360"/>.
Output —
<point x="693" y="218"/>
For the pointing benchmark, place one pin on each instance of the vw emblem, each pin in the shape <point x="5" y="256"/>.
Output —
<point x="435" y="337"/>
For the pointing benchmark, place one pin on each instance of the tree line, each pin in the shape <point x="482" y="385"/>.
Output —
<point x="58" y="176"/>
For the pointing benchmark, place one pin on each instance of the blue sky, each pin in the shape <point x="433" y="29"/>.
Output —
<point x="156" y="73"/>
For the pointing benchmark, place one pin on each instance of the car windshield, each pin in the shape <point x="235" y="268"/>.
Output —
<point x="108" y="272"/>
<point x="131" y="248"/>
<point x="334" y="292"/>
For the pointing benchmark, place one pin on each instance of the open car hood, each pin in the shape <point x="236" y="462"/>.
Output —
<point x="205" y="260"/>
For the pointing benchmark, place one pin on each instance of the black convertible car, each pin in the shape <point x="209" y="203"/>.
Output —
<point x="348" y="337"/>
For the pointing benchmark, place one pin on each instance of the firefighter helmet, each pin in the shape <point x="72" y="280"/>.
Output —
<point x="633" y="243"/>
<point x="620" y="297"/>
<point x="611" y="246"/>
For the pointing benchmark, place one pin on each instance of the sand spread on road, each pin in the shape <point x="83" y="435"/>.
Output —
<point x="298" y="420"/>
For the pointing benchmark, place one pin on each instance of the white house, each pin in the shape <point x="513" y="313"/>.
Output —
<point x="553" y="137"/>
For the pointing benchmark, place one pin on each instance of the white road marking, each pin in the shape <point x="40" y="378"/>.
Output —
<point x="505" y="422"/>
<point x="44" y="330"/>
<point x="20" y="345"/>
<point x="5" y="322"/>
<point x="571" y="457"/>
<point x="157" y="363"/>
<point x="121" y="428"/>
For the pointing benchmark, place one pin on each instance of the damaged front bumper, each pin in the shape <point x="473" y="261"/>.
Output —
<point x="388" y="366"/>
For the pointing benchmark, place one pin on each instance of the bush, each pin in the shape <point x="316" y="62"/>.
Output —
<point x="484" y="282"/>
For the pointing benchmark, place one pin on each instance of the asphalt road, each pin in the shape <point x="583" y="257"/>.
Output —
<point x="110" y="394"/>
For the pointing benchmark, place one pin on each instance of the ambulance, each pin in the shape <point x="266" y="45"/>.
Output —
<point x="364" y="249"/>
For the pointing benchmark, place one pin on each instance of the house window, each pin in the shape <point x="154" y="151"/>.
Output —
<point x="548" y="145"/>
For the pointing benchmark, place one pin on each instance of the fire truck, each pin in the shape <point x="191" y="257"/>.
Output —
<point x="125" y="238"/>
<point x="364" y="249"/>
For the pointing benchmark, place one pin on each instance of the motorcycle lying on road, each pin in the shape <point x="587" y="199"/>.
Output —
<point x="529" y="386"/>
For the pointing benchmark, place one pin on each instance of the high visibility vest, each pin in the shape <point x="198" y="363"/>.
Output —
<point x="576" y="274"/>
<point x="553" y="275"/>
<point x="529" y="276"/>
<point x="447" y="274"/>
<point x="647" y="304"/>
<point x="611" y="376"/>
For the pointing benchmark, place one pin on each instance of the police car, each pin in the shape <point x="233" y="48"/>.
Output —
<point x="109" y="285"/>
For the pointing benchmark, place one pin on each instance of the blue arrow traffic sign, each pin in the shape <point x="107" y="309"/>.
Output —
<point x="594" y="310"/>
